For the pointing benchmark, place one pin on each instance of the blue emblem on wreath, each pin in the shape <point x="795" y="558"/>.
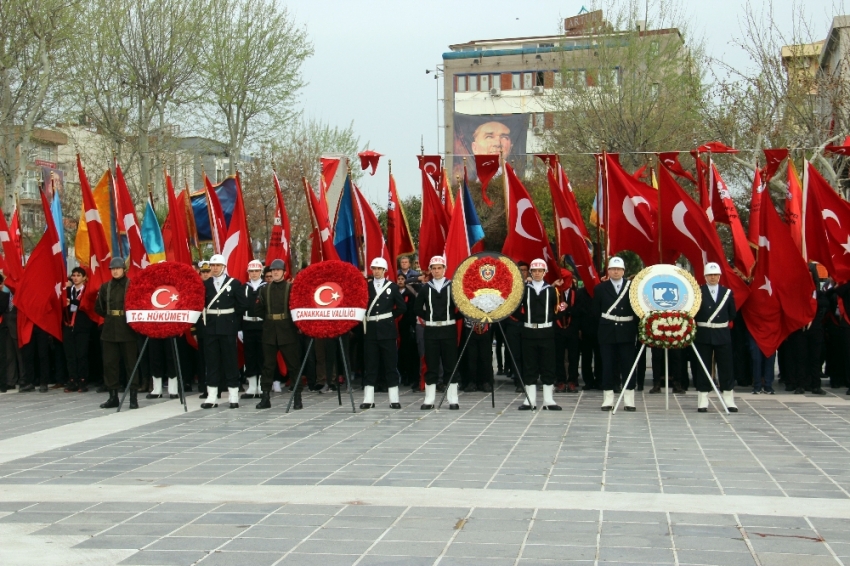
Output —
<point x="665" y="293"/>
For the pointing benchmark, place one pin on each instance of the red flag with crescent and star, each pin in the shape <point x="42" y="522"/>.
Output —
<point x="527" y="239"/>
<point x="632" y="212"/>
<point x="827" y="235"/>
<point x="369" y="160"/>
<point x="486" y="167"/>
<point x="99" y="254"/>
<point x="280" y="238"/>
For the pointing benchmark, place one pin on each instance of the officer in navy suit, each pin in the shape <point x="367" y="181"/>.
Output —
<point x="379" y="345"/>
<point x="225" y="304"/>
<point x="76" y="333"/>
<point x="714" y="338"/>
<point x="435" y="306"/>
<point x="617" y="333"/>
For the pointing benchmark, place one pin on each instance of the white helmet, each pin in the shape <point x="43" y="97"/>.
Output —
<point x="379" y="262"/>
<point x="217" y="259"/>
<point x="538" y="264"/>
<point x="255" y="264"/>
<point x="712" y="268"/>
<point x="616" y="262"/>
<point x="437" y="260"/>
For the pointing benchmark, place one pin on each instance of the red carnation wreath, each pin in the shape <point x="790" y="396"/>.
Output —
<point x="161" y="301"/>
<point x="490" y="287"/>
<point x="328" y="299"/>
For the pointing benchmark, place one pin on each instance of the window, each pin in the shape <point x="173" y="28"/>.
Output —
<point x="653" y="89"/>
<point x="485" y="83"/>
<point x="539" y="78"/>
<point x="581" y="77"/>
<point x="222" y="168"/>
<point x="516" y="81"/>
<point x="538" y="120"/>
<point x="29" y="189"/>
<point x="527" y="81"/>
<point x="45" y="153"/>
<point x="461" y="84"/>
<point x="472" y="81"/>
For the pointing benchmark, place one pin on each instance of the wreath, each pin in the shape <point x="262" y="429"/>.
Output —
<point x="182" y="282"/>
<point x="667" y="329"/>
<point x="307" y="286"/>
<point x="490" y="288"/>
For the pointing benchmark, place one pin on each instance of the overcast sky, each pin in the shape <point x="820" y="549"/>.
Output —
<point x="371" y="56"/>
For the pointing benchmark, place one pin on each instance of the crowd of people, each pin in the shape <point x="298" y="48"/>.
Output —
<point x="414" y="336"/>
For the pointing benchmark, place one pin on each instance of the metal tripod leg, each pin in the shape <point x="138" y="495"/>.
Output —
<point x="296" y="380"/>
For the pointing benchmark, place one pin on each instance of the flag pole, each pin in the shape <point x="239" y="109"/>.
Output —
<point x="658" y="196"/>
<point x="599" y="260"/>
<point x="605" y="204"/>
<point x="805" y="202"/>
<point x="112" y="173"/>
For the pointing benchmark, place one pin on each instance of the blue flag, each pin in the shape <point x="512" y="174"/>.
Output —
<point x="474" y="231"/>
<point x="152" y="235"/>
<point x="56" y="212"/>
<point x="345" y="238"/>
<point x="226" y="193"/>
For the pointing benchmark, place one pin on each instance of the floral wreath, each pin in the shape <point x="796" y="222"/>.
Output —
<point x="490" y="287"/>
<point x="307" y="287"/>
<point x="667" y="329"/>
<point x="169" y="291"/>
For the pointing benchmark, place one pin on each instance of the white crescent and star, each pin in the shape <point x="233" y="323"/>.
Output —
<point x="317" y="296"/>
<point x="629" y="205"/>
<point x="521" y="207"/>
<point x="155" y="298"/>
<point x="679" y="212"/>
<point x="827" y="213"/>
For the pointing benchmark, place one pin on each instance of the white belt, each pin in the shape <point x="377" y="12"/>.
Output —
<point x="713" y="324"/>
<point x="439" y="322"/>
<point x="251" y="318"/>
<point x="607" y="316"/>
<point x="378" y="317"/>
<point x="535" y="325"/>
<point x="220" y="311"/>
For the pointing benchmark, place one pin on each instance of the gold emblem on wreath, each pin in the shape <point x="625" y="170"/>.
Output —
<point x="487" y="287"/>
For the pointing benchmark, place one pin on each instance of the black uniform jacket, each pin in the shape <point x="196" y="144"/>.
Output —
<point x="251" y="299"/>
<point x="539" y="308"/>
<point x="78" y="320"/>
<point x="273" y="307"/>
<point x="715" y="336"/>
<point x="433" y="305"/>
<point x="231" y="297"/>
<point x="390" y="302"/>
<point x="614" y="331"/>
<point x="110" y="305"/>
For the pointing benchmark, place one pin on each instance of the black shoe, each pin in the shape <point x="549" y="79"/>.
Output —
<point x="234" y="405"/>
<point x="678" y="391"/>
<point x="153" y="396"/>
<point x="43" y="389"/>
<point x="703" y="410"/>
<point x="587" y="387"/>
<point x="203" y="395"/>
<point x="798" y="391"/>
<point x="607" y="408"/>
<point x="525" y="407"/>
<point x="174" y="396"/>
<point x="500" y="371"/>
<point x="640" y="387"/>
<point x="365" y="406"/>
<point x="818" y="391"/>
<point x="519" y="389"/>
<point x="630" y="409"/>
<point x="112" y="402"/>
<point x="471" y="388"/>
<point x="426" y="407"/>
<point x="265" y="401"/>
<point x="26" y="388"/>
<point x="187" y="388"/>
<point x="395" y="405"/>
<point x="732" y="409"/>
<point x="4" y="388"/>
<point x="101" y="389"/>
<point x="552" y="408"/>
<point x="454" y="407"/>
<point x="134" y="399"/>
<point x="297" y="404"/>
<point x="249" y="396"/>
<point x="656" y="389"/>
<point x="486" y="388"/>
<point x="441" y="387"/>
<point x="209" y="405"/>
<point x="789" y="387"/>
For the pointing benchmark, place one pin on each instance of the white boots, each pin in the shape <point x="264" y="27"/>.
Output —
<point x="702" y="401"/>
<point x="212" y="398"/>
<point x="548" y="401"/>
<point x="729" y="399"/>
<point x="368" y="397"/>
<point x="608" y="400"/>
<point x="173" y="390"/>
<point x="451" y="395"/>
<point x="254" y="390"/>
<point x="392" y="392"/>
<point x="234" y="397"/>
<point x="430" y="395"/>
<point x="156" y="391"/>
<point x="629" y="400"/>
<point x="530" y="397"/>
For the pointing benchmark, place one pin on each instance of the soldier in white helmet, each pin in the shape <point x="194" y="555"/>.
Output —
<point x="714" y="338"/>
<point x="539" y="305"/>
<point x="435" y="306"/>
<point x="617" y="336"/>
<point x="252" y="332"/>
<point x="379" y="345"/>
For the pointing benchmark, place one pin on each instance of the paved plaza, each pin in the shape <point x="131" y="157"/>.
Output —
<point x="766" y="486"/>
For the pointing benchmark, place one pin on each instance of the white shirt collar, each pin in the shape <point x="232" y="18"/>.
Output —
<point x="379" y="282"/>
<point x="713" y="290"/>
<point x="438" y="283"/>
<point x="255" y="284"/>
<point x="538" y="285"/>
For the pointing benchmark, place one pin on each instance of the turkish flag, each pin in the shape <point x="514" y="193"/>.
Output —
<point x="237" y="246"/>
<point x="12" y="256"/>
<point x="127" y="222"/>
<point x="40" y="296"/>
<point x="670" y="160"/>
<point x="434" y="223"/>
<point x="773" y="158"/>
<point x="715" y="147"/>
<point x="431" y="164"/>
<point x="446" y="194"/>
<point x="570" y="231"/>
<point x="527" y="239"/>
<point x="782" y="291"/>
<point x="687" y="230"/>
<point x="486" y="166"/>
<point x="703" y="187"/>
<point x="99" y="254"/>
<point x="725" y="212"/>
<point x="279" y="241"/>
<point x="369" y="159"/>
<point x="457" y="242"/>
<point x="755" y="208"/>
<point x="632" y="211"/>
<point x="399" y="241"/>
<point x="374" y="244"/>
<point x="843" y="149"/>
<point x="827" y="235"/>
<point x="323" y="241"/>
<point x="330" y="166"/>
<point x="174" y="230"/>
<point x="794" y="206"/>
<point x="219" y="223"/>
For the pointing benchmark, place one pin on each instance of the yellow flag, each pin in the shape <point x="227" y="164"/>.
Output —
<point x="101" y="200"/>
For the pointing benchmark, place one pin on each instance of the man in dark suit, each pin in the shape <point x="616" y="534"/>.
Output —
<point x="380" y="334"/>
<point x="76" y="333"/>
<point x="714" y="338"/>
<point x="225" y="304"/>
<point x="617" y="333"/>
